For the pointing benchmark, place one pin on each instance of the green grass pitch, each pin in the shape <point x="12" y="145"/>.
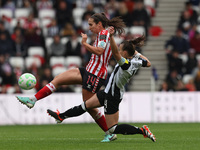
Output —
<point x="170" y="136"/>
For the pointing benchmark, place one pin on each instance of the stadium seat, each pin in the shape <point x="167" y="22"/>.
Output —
<point x="44" y="22"/>
<point x="97" y="9"/>
<point x="45" y="31"/>
<point x="126" y="30"/>
<point x="36" y="50"/>
<point x="38" y="3"/>
<point x="30" y="60"/>
<point x="118" y="40"/>
<point x="48" y="41"/>
<point x="137" y="30"/>
<point x="198" y="57"/>
<point x="187" y="78"/>
<point x="77" y="89"/>
<point x="64" y="40"/>
<point x="184" y="57"/>
<point x="57" y="61"/>
<point x="73" y="61"/>
<point x="77" y="15"/>
<point x="22" y="12"/>
<point x="14" y="21"/>
<point x="149" y="3"/>
<point x="198" y="26"/>
<point x="196" y="8"/>
<point x="58" y="70"/>
<point x="17" y="62"/>
<point x="80" y="39"/>
<point x="10" y="90"/>
<point x="6" y="12"/>
<point x="155" y="31"/>
<point x="37" y="21"/>
<point x="46" y="13"/>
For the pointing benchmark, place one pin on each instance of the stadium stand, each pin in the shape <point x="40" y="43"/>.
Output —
<point x="31" y="61"/>
<point x="21" y="13"/>
<point x="57" y="61"/>
<point x="6" y="12"/>
<point x="167" y="17"/>
<point x="17" y="62"/>
<point x="164" y="16"/>
<point x="73" y="61"/>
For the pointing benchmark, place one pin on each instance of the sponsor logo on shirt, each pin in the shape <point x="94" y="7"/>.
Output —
<point x="103" y="37"/>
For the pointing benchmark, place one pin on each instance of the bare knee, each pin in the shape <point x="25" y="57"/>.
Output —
<point x="54" y="81"/>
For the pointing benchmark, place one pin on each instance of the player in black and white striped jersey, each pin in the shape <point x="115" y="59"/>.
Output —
<point x="129" y="61"/>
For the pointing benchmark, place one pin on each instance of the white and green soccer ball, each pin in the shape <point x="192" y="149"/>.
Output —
<point x="27" y="81"/>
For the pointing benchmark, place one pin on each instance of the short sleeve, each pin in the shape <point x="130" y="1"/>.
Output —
<point x="103" y="38"/>
<point x="124" y="63"/>
<point x="144" y="62"/>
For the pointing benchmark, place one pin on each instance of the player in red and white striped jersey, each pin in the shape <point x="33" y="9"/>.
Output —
<point x="98" y="64"/>
<point x="128" y="62"/>
<point x="93" y="76"/>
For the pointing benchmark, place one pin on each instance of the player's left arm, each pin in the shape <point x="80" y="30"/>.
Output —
<point x="113" y="45"/>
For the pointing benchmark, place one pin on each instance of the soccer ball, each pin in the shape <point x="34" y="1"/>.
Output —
<point x="27" y="81"/>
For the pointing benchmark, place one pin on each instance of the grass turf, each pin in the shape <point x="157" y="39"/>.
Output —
<point x="171" y="136"/>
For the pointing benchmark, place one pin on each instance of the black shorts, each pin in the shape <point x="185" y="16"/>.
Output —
<point x="91" y="82"/>
<point x="110" y="103"/>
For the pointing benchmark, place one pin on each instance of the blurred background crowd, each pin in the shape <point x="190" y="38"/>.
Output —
<point x="42" y="37"/>
<point x="183" y="51"/>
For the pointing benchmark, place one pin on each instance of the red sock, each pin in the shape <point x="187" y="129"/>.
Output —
<point x="101" y="121"/>
<point x="45" y="91"/>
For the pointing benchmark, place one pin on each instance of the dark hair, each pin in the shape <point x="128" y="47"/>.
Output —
<point x="116" y="22"/>
<point x="130" y="45"/>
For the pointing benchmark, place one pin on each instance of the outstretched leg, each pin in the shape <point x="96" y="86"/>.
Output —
<point x="72" y="112"/>
<point x="93" y="102"/>
<point x="72" y="76"/>
<point x="69" y="77"/>
<point x="126" y="129"/>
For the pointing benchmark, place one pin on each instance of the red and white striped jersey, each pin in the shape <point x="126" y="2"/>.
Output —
<point x="98" y="64"/>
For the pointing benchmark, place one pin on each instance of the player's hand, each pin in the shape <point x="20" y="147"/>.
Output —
<point x="111" y="30"/>
<point x="84" y="38"/>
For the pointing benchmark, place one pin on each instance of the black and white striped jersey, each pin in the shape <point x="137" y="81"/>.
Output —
<point x="121" y="75"/>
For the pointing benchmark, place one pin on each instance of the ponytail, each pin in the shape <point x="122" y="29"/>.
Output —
<point x="116" y="22"/>
<point x="139" y="42"/>
<point x="131" y="45"/>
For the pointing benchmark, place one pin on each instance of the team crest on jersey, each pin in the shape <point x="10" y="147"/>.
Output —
<point x="102" y="44"/>
<point x="103" y="32"/>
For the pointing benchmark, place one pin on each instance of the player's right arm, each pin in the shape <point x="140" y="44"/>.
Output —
<point x="95" y="50"/>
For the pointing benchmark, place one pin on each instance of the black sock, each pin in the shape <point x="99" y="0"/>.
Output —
<point x="73" y="112"/>
<point x="127" y="129"/>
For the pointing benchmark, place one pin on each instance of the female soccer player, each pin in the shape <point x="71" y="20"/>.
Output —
<point x="129" y="61"/>
<point x="93" y="76"/>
